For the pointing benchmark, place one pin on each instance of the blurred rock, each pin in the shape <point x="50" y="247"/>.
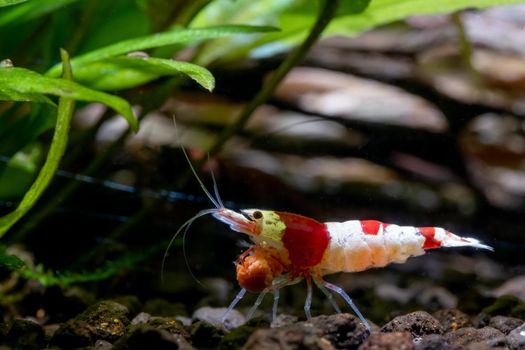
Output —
<point x="325" y="174"/>
<point x="392" y="292"/>
<point x="494" y="147"/>
<point x="141" y="318"/>
<point x="103" y="345"/>
<point x="505" y="324"/>
<point x="267" y="122"/>
<point x="162" y="307"/>
<point x="423" y="293"/>
<point x="145" y="336"/>
<point x="435" y="296"/>
<point x="239" y="336"/>
<point x="206" y="335"/>
<point x="106" y="320"/>
<point x="442" y="67"/>
<point x="507" y="305"/>
<point x="300" y="336"/>
<point x="481" y="320"/>
<point x="24" y="334"/>
<point x="170" y="324"/>
<point x="214" y="316"/>
<point x="418" y="323"/>
<point x="432" y="342"/>
<point x="328" y="54"/>
<point x="486" y="336"/>
<point x="516" y="338"/>
<point x="284" y="320"/>
<point x="452" y="319"/>
<point x="500" y="28"/>
<point x="388" y="341"/>
<point x="344" y="331"/>
<point x="131" y="302"/>
<point x="514" y="286"/>
<point x="344" y="96"/>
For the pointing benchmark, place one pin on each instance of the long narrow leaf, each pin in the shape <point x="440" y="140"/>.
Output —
<point x="7" y="94"/>
<point x="125" y="72"/>
<point x="385" y="11"/>
<point x="66" y="107"/>
<point x="28" y="82"/>
<point x="300" y="16"/>
<point x="10" y="2"/>
<point x="30" y="10"/>
<point x="161" y="39"/>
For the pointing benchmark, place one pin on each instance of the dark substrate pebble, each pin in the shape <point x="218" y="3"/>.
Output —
<point x="106" y="326"/>
<point x="483" y="337"/>
<point x="388" y="341"/>
<point x="418" y="323"/>
<point x="516" y="338"/>
<point x="452" y="319"/>
<point x="505" y="324"/>
<point x="432" y="342"/>
<point x="106" y="320"/>
<point x="22" y="334"/>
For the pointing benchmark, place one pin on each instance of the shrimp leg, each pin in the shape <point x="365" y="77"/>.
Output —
<point x="234" y="303"/>
<point x="308" y="301"/>
<point x="275" y="303"/>
<point x="326" y="292"/>
<point x="258" y="302"/>
<point x="348" y="300"/>
<point x="242" y="293"/>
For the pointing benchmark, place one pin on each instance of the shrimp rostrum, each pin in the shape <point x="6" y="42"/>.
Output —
<point x="288" y="248"/>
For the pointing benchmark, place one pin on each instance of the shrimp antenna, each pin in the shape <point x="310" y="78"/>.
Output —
<point x="215" y="187"/>
<point x="186" y="225"/>
<point x="208" y="194"/>
<point x="186" y="260"/>
<point x="276" y="131"/>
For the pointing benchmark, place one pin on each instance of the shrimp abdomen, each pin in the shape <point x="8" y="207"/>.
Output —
<point x="358" y="245"/>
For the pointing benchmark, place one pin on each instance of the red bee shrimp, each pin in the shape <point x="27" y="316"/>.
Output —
<point x="288" y="248"/>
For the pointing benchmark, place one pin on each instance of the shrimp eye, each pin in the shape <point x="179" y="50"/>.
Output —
<point x="257" y="215"/>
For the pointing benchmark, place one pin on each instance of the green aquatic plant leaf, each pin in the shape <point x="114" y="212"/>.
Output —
<point x="18" y="132"/>
<point x="11" y="263"/>
<point x="28" y="84"/>
<point x="302" y="14"/>
<point x="177" y="36"/>
<point x="353" y="18"/>
<point x="386" y="11"/>
<point x="17" y="174"/>
<point x="66" y="106"/>
<point x="264" y="12"/>
<point x="110" y="268"/>
<point x="10" y="2"/>
<point x="118" y="73"/>
<point x="111" y="22"/>
<point x="30" y="10"/>
<point x="7" y="94"/>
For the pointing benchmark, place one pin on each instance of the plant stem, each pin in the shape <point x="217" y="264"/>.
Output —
<point x="466" y="49"/>
<point x="328" y="11"/>
<point x="66" y="107"/>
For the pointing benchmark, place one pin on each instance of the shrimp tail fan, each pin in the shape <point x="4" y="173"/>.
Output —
<point x="452" y="240"/>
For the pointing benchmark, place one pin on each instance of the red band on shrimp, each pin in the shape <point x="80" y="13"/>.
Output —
<point x="430" y="240"/>
<point x="305" y="239"/>
<point x="370" y="227"/>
